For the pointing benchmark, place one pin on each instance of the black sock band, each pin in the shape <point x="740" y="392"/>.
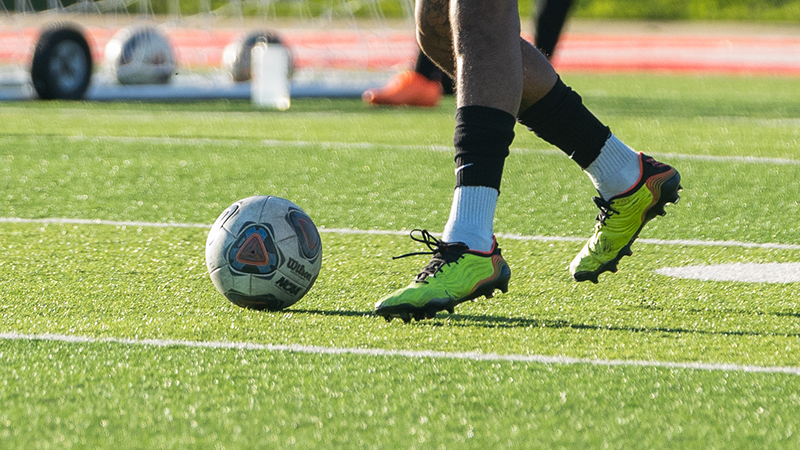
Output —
<point x="561" y="119"/>
<point x="482" y="138"/>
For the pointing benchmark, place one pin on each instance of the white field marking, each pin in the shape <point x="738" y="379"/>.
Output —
<point x="117" y="223"/>
<point x="267" y="142"/>
<point x="156" y="140"/>
<point x="746" y="272"/>
<point x="509" y="236"/>
<point x="471" y="356"/>
<point x="373" y="145"/>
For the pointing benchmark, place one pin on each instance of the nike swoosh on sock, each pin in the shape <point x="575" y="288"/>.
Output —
<point x="460" y="168"/>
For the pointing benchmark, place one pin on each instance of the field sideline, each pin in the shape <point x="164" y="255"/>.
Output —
<point x="111" y="333"/>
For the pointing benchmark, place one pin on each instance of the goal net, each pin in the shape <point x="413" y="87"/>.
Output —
<point x="338" y="47"/>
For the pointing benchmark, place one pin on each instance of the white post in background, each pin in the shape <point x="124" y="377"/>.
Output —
<point x="269" y="81"/>
<point x="174" y="9"/>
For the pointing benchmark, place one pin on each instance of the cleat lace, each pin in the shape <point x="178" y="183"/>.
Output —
<point x="444" y="253"/>
<point x="606" y="210"/>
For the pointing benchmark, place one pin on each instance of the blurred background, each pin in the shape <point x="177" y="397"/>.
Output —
<point x="185" y="49"/>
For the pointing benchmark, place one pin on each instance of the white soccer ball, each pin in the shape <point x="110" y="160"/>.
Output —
<point x="236" y="56"/>
<point x="263" y="252"/>
<point x="140" y="55"/>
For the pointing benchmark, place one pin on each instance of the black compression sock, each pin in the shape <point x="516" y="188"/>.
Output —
<point x="482" y="138"/>
<point x="561" y="119"/>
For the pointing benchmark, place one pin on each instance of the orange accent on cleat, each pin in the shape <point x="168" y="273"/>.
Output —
<point x="408" y="88"/>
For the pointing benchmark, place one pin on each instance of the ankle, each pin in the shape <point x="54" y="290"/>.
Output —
<point x="615" y="170"/>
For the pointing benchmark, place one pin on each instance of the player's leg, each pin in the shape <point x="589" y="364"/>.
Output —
<point x="467" y="263"/>
<point x="488" y="65"/>
<point x="548" y="22"/>
<point x="419" y="87"/>
<point x="633" y="188"/>
<point x="435" y="38"/>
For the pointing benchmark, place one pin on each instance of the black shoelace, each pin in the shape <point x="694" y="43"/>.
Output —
<point x="606" y="210"/>
<point x="443" y="253"/>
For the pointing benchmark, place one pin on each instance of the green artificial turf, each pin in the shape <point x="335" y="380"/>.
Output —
<point x="357" y="168"/>
<point x="107" y="395"/>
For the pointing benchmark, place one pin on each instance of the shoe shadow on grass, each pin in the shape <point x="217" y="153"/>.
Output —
<point x="501" y="322"/>
<point x="321" y="312"/>
<point x="466" y="320"/>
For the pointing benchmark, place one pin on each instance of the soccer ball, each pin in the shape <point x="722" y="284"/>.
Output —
<point x="236" y="56"/>
<point x="263" y="252"/>
<point x="140" y="55"/>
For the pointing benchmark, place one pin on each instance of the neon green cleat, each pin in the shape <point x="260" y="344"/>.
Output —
<point x="623" y="217"/>
<point x="454" y="275"/>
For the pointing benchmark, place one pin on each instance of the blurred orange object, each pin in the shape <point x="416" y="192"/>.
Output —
<point x="408" y="88"/>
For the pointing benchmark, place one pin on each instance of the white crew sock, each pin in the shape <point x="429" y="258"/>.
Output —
<point x="471" y="217"/>
<point x="616" y="169"/>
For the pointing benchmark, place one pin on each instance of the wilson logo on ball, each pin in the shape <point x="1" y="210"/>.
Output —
<point x="298" y="268"/>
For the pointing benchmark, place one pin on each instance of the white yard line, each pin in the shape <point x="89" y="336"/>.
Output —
<point x="471" y="356"/>
<point x="508" y="236"/>
<point x="742" y="272"/>
<point x="373" y="145"/>
<point x="118" y="223"/>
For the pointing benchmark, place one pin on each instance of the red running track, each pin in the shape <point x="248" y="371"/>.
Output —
<point x="687" y="53"/>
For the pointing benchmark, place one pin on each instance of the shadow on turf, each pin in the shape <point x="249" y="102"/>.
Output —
<point x="521" y="322"/>
<point x="320" y="312"/>
<point x="466" y="320"/>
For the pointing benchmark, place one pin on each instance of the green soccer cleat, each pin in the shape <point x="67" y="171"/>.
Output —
<point x="622" y="218"/>
<point x="454" y="275"/>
